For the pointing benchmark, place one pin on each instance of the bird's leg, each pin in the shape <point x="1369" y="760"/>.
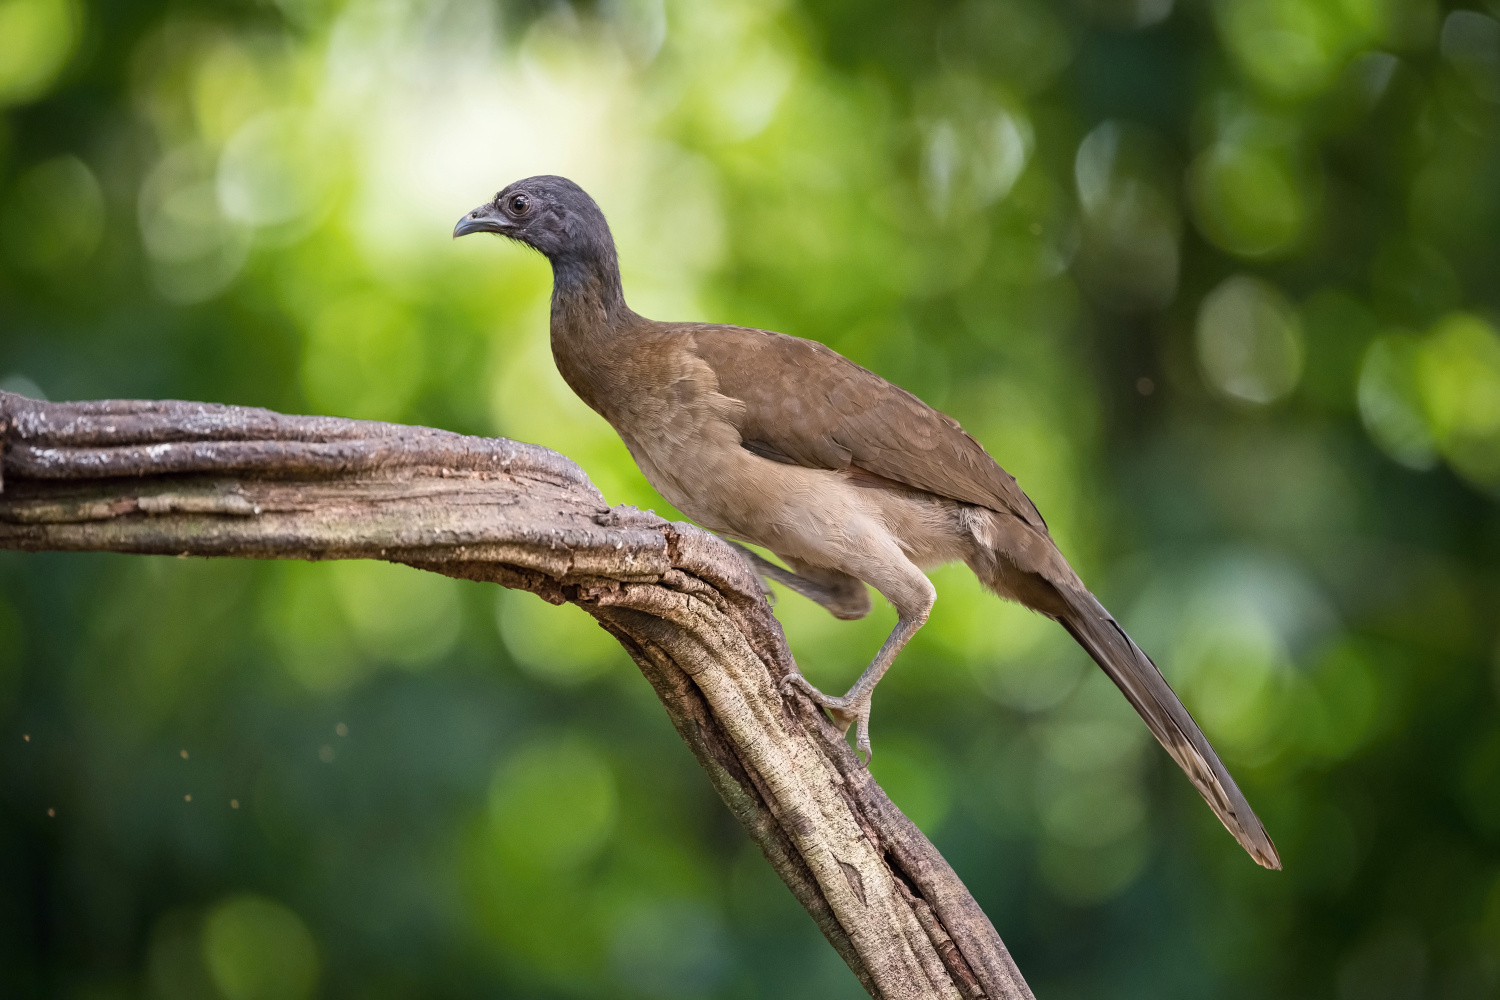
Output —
<point x="853" y="708"/>
<point x="844" y="596"/>
<point x="912" y="594"/>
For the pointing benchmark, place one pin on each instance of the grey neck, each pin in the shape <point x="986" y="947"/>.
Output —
<point x="589" y="278"/>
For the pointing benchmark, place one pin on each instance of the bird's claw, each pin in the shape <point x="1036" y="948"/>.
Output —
<point x="846" y="711"/>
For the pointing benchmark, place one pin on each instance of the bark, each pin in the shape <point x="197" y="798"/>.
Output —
<point x="205" y="480"/>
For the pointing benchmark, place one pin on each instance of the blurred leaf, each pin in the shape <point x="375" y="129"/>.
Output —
<point x="1088" y="876"/>
<point x="1293" y="47"/>
<point x="552" y="805"/>
<point x="1250" y="341"/>
<point x="257" y="949"/>
<point x="1459" y="379"/>
<point x="364" y="358"/>
<point x="54" y="216"/>
<point x="916" y="779"/>
<point x="564" y="645"/>
<point x="1389" y="403"/>
<point x="1339" y="328"/>
<point x="36" y="39"/>
<point x="1480" y="781"/>
<point x="1247" y="193"/>
<point x="670" y="949"/>
<point x="175" y="964"/>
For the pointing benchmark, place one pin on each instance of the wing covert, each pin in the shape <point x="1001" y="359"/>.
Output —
<point x="842" y="415"/>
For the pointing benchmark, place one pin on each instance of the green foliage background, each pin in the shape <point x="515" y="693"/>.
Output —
<point x="1216" y="279"/>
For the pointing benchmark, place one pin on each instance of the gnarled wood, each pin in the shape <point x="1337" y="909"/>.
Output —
<point x="204" y="480"/>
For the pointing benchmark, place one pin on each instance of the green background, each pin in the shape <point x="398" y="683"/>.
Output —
<point x="1215" y="279"/>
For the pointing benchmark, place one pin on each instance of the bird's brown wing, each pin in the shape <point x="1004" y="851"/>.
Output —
<point x="806" y="405"/>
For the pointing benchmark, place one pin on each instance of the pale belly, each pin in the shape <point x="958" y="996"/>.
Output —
<point x="817" y="516"/>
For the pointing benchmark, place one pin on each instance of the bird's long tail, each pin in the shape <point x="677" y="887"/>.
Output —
<point x="1142" y="683"/>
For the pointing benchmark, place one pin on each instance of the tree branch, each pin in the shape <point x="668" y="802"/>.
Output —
<point x="204" y="480"/>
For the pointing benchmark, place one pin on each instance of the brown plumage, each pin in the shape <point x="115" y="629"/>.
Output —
<point x="785" y="444"/>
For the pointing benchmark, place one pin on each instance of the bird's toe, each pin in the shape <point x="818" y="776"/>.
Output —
<point x="862" y="732"/>
<point x="796" y="682"/>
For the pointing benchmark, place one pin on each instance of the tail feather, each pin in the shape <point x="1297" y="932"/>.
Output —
<point x="1147" y="690"/>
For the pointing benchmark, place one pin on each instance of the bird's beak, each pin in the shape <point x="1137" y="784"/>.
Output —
<point x="482" y="220"/>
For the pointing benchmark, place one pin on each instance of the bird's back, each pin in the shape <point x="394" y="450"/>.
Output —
<point x="805" y="404"/>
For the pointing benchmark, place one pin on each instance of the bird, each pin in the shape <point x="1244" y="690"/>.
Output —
<point x="848" y="479"/>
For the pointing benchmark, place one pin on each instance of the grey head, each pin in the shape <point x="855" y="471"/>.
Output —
<point x="552" y="215"/>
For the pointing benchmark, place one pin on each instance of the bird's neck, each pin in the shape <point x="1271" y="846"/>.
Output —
<point x="587" y="297"/>
<point x="589" y="321"/>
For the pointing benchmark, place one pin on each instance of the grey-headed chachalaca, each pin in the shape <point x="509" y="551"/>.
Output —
<point x="848" y="479"/>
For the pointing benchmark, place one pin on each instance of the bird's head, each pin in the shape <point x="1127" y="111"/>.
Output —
<point x="550" y="214"/>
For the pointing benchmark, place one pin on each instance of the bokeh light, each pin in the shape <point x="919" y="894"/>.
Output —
<point x="1132" y="225"/>
<point x="1459" y="379"/>
<point x="563" y="645"/>
<point x="1248" y="189"/>
<point x="54" y="216"/>
<point x="36" y="39"/>
<point x="257" y="949"/>
<point x="1249" y="341"/>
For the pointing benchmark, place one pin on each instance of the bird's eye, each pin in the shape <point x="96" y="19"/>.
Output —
<point x="519" y="204"/>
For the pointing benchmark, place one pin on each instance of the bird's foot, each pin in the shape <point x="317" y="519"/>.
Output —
<point x="849" y="710"/>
